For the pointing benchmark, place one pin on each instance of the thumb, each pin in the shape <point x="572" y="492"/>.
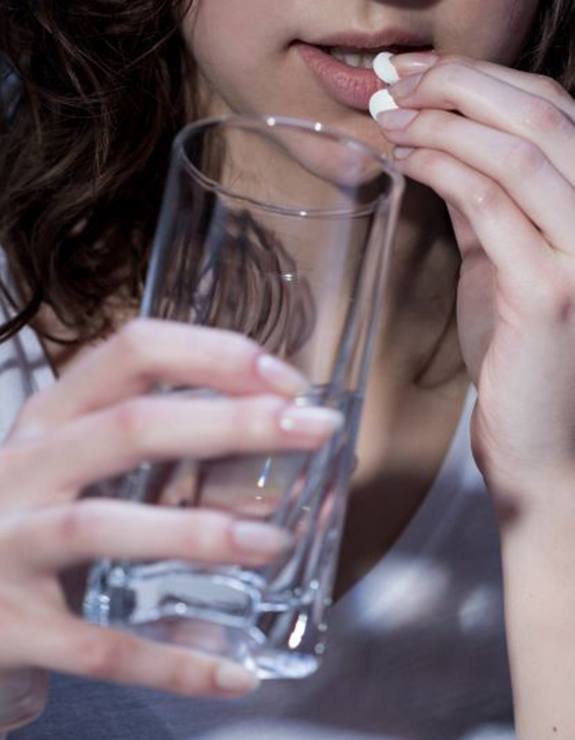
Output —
<point x="23" y="696"/>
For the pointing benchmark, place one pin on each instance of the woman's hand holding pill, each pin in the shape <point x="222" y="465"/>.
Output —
<point x="498" y="145"/>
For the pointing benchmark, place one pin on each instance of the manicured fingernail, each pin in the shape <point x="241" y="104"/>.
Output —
<point x="311" y="421"/>
<point x="406" y="86"/>
<point x="233" y="678"/>
<point x="413" y="63"/>
<point x="384" y="69"/>
<point x="260" y="538"/>
<point x="380" y="102"/>
<point x="281" y="377"/>
<point x="396" y="119"/>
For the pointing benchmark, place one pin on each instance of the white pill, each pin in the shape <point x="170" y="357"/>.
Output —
<point x="384" y="69"/>
<point x="380" y="102"/>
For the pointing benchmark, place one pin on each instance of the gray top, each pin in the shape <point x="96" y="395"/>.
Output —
<point x="416" y="649"/>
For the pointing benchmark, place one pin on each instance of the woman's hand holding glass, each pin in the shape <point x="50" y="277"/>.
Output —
<point x="97" y="421"/>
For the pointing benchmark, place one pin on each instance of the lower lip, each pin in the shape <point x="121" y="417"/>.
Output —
<point x="350" y="86"/>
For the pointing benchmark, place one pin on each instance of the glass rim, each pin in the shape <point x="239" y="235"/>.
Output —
<point x="298" y="124"/>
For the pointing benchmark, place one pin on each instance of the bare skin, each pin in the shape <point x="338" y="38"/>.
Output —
<point x="514" y="231"/>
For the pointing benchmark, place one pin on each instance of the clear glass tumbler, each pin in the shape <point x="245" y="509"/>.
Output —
<point x="279" y="229"/>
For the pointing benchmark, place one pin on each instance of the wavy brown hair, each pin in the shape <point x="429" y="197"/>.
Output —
<point x="92" y="94"/>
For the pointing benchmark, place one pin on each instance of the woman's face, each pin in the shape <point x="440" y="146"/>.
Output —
<point x="261" y="56"/>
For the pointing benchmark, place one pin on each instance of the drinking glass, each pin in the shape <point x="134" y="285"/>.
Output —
<point x="279" y="229"/>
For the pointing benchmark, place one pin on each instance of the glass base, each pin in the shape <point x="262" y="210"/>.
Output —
<point x="220" y="611"/>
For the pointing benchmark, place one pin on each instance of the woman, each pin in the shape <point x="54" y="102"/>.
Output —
<point x="84" y="150"/>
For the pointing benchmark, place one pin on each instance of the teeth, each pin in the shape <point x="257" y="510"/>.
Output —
<point x="361" y="61"/>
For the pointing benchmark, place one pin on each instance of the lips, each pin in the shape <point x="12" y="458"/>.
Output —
<point x="349" y="86"/>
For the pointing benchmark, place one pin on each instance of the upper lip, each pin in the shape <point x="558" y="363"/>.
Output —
<point x="387" y="38"/>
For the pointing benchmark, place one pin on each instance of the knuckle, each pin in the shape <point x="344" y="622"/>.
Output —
<point x="206" y="535"/>
<point x="432" y="161"/>
<point x="240" y="421"/>
<point x="133" y="341"/>
<point x="103" y="656"/>
<point x="450" y="72"/>
<point x="131" y="423"/>
<point x="256" y="419"/>
<point x="437" y="121"/>
<point x="240" y="342"/>
<point x="484" y="196"/>
<point x="74" y="524"/>
<point x="549" y="87"/>
<point x="178" y="678"/>
<point x="541" y="116"/>
<point x="238" y="347"/>
<point x="523" y="158"/>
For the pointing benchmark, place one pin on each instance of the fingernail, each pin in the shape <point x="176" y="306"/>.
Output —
<point x="281" y="377"/>
<point x="232" y="677"/>
<point x="260" y="538"/>
<point x="406" y="86"/>
<point x="384" y="69"/>
<point x="396" y="119"/>
<point x="409" y="64"/>
<point x="311" y="421"/>
<point x="380" y="102"/>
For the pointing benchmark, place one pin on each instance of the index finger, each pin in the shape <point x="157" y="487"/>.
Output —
<point x="146" y="352"/>
<point x="460" y="86"/>
<point x="534" y="83"/>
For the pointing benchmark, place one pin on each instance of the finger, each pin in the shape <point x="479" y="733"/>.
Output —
<point x="536" y="84"/>
<point x="66" y="535"/>
<point x="456" y="86"/>
<point x="146" y="352"/>
<point x="70" y="645"/>
<point x="512" y="243"/>
<point x="106" y="443"/>
<point x="519" y="166"/>
<point x="466" y="237"/>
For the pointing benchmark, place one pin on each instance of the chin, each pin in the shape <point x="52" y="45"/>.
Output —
<point x="358" y="124"/>
<point x="363" y="127"/>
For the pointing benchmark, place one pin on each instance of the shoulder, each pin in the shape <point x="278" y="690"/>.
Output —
<point x="5" y="288"/>
<point x="16" y="359"/>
